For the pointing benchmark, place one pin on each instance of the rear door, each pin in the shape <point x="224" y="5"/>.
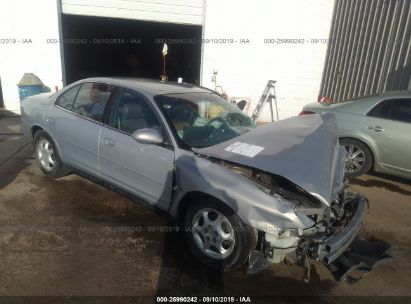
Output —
<point x="388" y="124"/>
<point x="75" y="122"/>
<point x="144" y="170"/>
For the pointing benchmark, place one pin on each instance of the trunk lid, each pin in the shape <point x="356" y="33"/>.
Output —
<point x="320" y="107"/>
<point x="304" y="150"/>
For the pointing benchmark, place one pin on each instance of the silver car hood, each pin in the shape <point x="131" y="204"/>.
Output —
<point x="304" y="150"/>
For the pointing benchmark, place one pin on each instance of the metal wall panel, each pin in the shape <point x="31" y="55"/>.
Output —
<point x="369" y="50"/>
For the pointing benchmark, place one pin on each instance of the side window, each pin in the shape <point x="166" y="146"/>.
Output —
<point x="130" y="113"/>
<point x="91" y="100"/>
<point x="381" y="110"/>
<point x="394" y="109"/>
<point x="401" y="110"/>
<point x="67" y="99"/>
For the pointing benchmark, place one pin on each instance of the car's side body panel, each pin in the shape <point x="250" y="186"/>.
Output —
<point x="76" y="136"/>
<point x="256" y="208"/>
<point x="32" y="112"/>
<point x="393" y="140"/>
<point x="142" y="170"/>
<point x="351" y="126"/>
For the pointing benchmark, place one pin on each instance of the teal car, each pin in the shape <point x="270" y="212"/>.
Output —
<point x="375" y="131"/>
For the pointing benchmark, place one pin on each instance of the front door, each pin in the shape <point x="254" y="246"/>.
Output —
<point x="144" y="170"/>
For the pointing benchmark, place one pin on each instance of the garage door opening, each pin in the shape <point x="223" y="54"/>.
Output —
<point x="98" y="47"/>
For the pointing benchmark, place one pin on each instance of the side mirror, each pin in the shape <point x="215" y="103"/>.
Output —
<point x="148" y="136"/>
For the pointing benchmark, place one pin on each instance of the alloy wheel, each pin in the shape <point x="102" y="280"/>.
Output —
<point x="213" y="233"/>
<point x="355" y="159"/>
<point x="45" y="154"/>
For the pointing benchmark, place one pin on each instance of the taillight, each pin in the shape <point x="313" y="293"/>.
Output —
<point x="305" y="113"/>
<point x="324" y="99"/>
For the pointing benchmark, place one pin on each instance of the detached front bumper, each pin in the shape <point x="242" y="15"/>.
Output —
<point x="332" y="247"/>
<point x="326" y="248"/>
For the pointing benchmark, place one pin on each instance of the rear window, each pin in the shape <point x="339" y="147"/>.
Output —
<point x="91" y="100"/>
<point x="67" y="99"/>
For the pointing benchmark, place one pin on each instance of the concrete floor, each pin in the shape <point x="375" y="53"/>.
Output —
<point x="71" y="237"/>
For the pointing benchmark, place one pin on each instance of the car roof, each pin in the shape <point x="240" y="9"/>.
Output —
<point x="377" y="96"/>
<point x="400" y="93"/>
<point x="150" y="87"/>
<point x="365" y="103"/>
<point x="359" y="105"/>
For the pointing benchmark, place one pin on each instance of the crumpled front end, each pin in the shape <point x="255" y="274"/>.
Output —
<point x="334" y="225"/>
<point x="299" y="165"/>
<point x="335" y="229"/>
<point x="342" y="230"/>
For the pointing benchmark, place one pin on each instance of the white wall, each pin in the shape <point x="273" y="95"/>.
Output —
<point x="35" y="20"/>
<point x="244" y="69"/>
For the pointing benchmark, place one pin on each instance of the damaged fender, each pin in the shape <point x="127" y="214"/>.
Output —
<point x="255" y="208"/>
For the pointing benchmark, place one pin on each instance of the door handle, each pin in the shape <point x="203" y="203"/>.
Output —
<point x="376" y="128"/>
<point x="50" y="120"/>
<point x="108" y="142"/>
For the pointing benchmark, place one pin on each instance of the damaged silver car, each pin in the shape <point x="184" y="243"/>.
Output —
<point x="243" y="194"/>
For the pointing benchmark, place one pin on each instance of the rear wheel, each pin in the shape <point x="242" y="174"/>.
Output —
<point x="47" y="156"/>
<point x="216" y="235"/>
<point x="359" y="158"/>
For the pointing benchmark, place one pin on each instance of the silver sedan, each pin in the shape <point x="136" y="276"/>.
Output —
<point x="240" y="193"/>
<point x="375" y="131"/>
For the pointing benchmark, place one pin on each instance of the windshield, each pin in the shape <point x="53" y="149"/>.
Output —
<point x="203" y="119"/>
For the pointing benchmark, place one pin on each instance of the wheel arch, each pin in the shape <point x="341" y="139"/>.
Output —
<point x="189" y="197"/>
<point x="34" y="129"/>
<point x="197" y="176"/>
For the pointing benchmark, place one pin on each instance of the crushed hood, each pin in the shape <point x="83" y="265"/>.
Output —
<point x="304" y="150"/>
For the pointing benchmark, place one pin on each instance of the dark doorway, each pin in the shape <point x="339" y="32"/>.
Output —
<point x="95" y="46"/>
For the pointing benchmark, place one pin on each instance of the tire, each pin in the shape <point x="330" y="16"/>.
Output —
<point x="239" y="238"/>
<point x="47" y="156"/>
<point x="359" y="158"/>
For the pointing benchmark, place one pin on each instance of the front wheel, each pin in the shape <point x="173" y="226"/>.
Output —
<point x="47" y="156"/>
<point x="359" y="157"/>
<point x="216" y="235"/>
